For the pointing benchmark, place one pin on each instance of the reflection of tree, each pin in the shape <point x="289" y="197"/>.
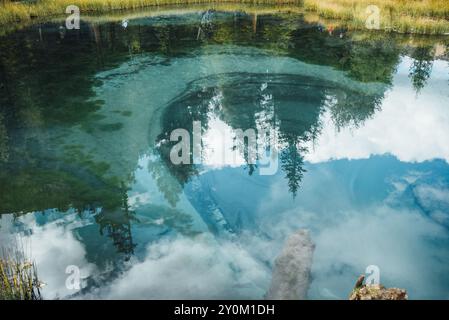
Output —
<point x="276" y="33"/>
<point x="297" y="122"/>
<point x="205" y="29"/>
<point x="3" y="141"/>
<point x="292" y="163"/>
<point x="170" y="187"/>
<point x="33" y="65"/>
<point x="117" y="225"/>
<point x="34" y="189"/>
<point x="288" y="105"/>
<point x="365" y="59"/>
<point x="180" y="114"/>
<point x="421" y="68"/>
<point x="373" y="60"/>
<point x="353" y="108"/>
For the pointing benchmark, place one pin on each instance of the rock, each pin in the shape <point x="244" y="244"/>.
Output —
<point x="291" y="272"/>
<point x="376" y="292"/>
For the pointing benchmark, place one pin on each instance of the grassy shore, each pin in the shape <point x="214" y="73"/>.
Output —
<point x="404" y="16"/>
<point x="11" y="12"/>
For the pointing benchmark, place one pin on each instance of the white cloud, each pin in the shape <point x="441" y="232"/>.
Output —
<point x="53" y="247"/>
<point x="410" y="247"/>
<point x="194" y="268"/>
<point x="435" y="200"/>
<point x="398" y="241"/>
<point x="412" y="128"/>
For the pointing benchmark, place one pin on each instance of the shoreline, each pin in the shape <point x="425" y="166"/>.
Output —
<point x="396" y="16"/>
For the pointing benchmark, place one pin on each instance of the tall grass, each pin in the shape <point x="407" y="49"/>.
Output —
<point x="405" y="16"/>
<point x="11" y="12"/>
<point x="18" y="276"/>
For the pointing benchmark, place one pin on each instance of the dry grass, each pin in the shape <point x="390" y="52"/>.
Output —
<point x="18" y="277"/>
<point x="11" y="12"/>
<point x="405" y="16"/>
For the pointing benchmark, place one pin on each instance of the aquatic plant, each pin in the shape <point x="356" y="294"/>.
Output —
<point x="18" y="276"/>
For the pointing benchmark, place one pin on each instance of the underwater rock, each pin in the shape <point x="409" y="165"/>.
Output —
<point x="376" y="292"/>
<point x="291" y="272"/>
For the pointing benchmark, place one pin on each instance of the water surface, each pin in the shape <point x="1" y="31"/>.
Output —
<point x="361" y="120"/>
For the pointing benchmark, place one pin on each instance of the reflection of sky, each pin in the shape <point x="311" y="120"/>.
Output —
<point x="218" y="148"/>
<point x="52" y="241"/>
<point x="371" y="195"/>
<point x="411" y="127"/>
<point x="385" y="202"/>
<point x="195" y="268"/>
<point x="360" y="212"/>
<point x="366" y="214"/>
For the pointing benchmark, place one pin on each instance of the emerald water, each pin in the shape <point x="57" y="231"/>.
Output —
<point x="361" y="118"/>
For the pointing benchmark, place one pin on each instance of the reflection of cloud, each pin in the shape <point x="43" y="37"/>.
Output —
<point x="411" y="249"/>
<point x="54" y="247"/>
<point x="139" y="199"/>
<point x="398" y="241"/>
<point x="430" y="194"/>
<point x="192" y="268"/>
<point x="435" y="201"/>
<point x="409" y="127"/>
<point x="218" y="148"/>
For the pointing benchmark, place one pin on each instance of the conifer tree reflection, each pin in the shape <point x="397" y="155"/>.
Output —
<point x="421" y="67"/>
<point x="116" y="224"/>
<point x="292" y="163"/>
<point x="286" y="104"/>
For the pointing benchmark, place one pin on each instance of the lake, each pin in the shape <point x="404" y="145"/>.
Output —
<point x="359" y="121"/>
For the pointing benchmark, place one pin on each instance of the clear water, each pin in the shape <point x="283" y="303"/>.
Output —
<point x="86" y="178"/>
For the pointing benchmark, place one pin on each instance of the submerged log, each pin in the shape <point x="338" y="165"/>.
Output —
<point x="291" y="272"/>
